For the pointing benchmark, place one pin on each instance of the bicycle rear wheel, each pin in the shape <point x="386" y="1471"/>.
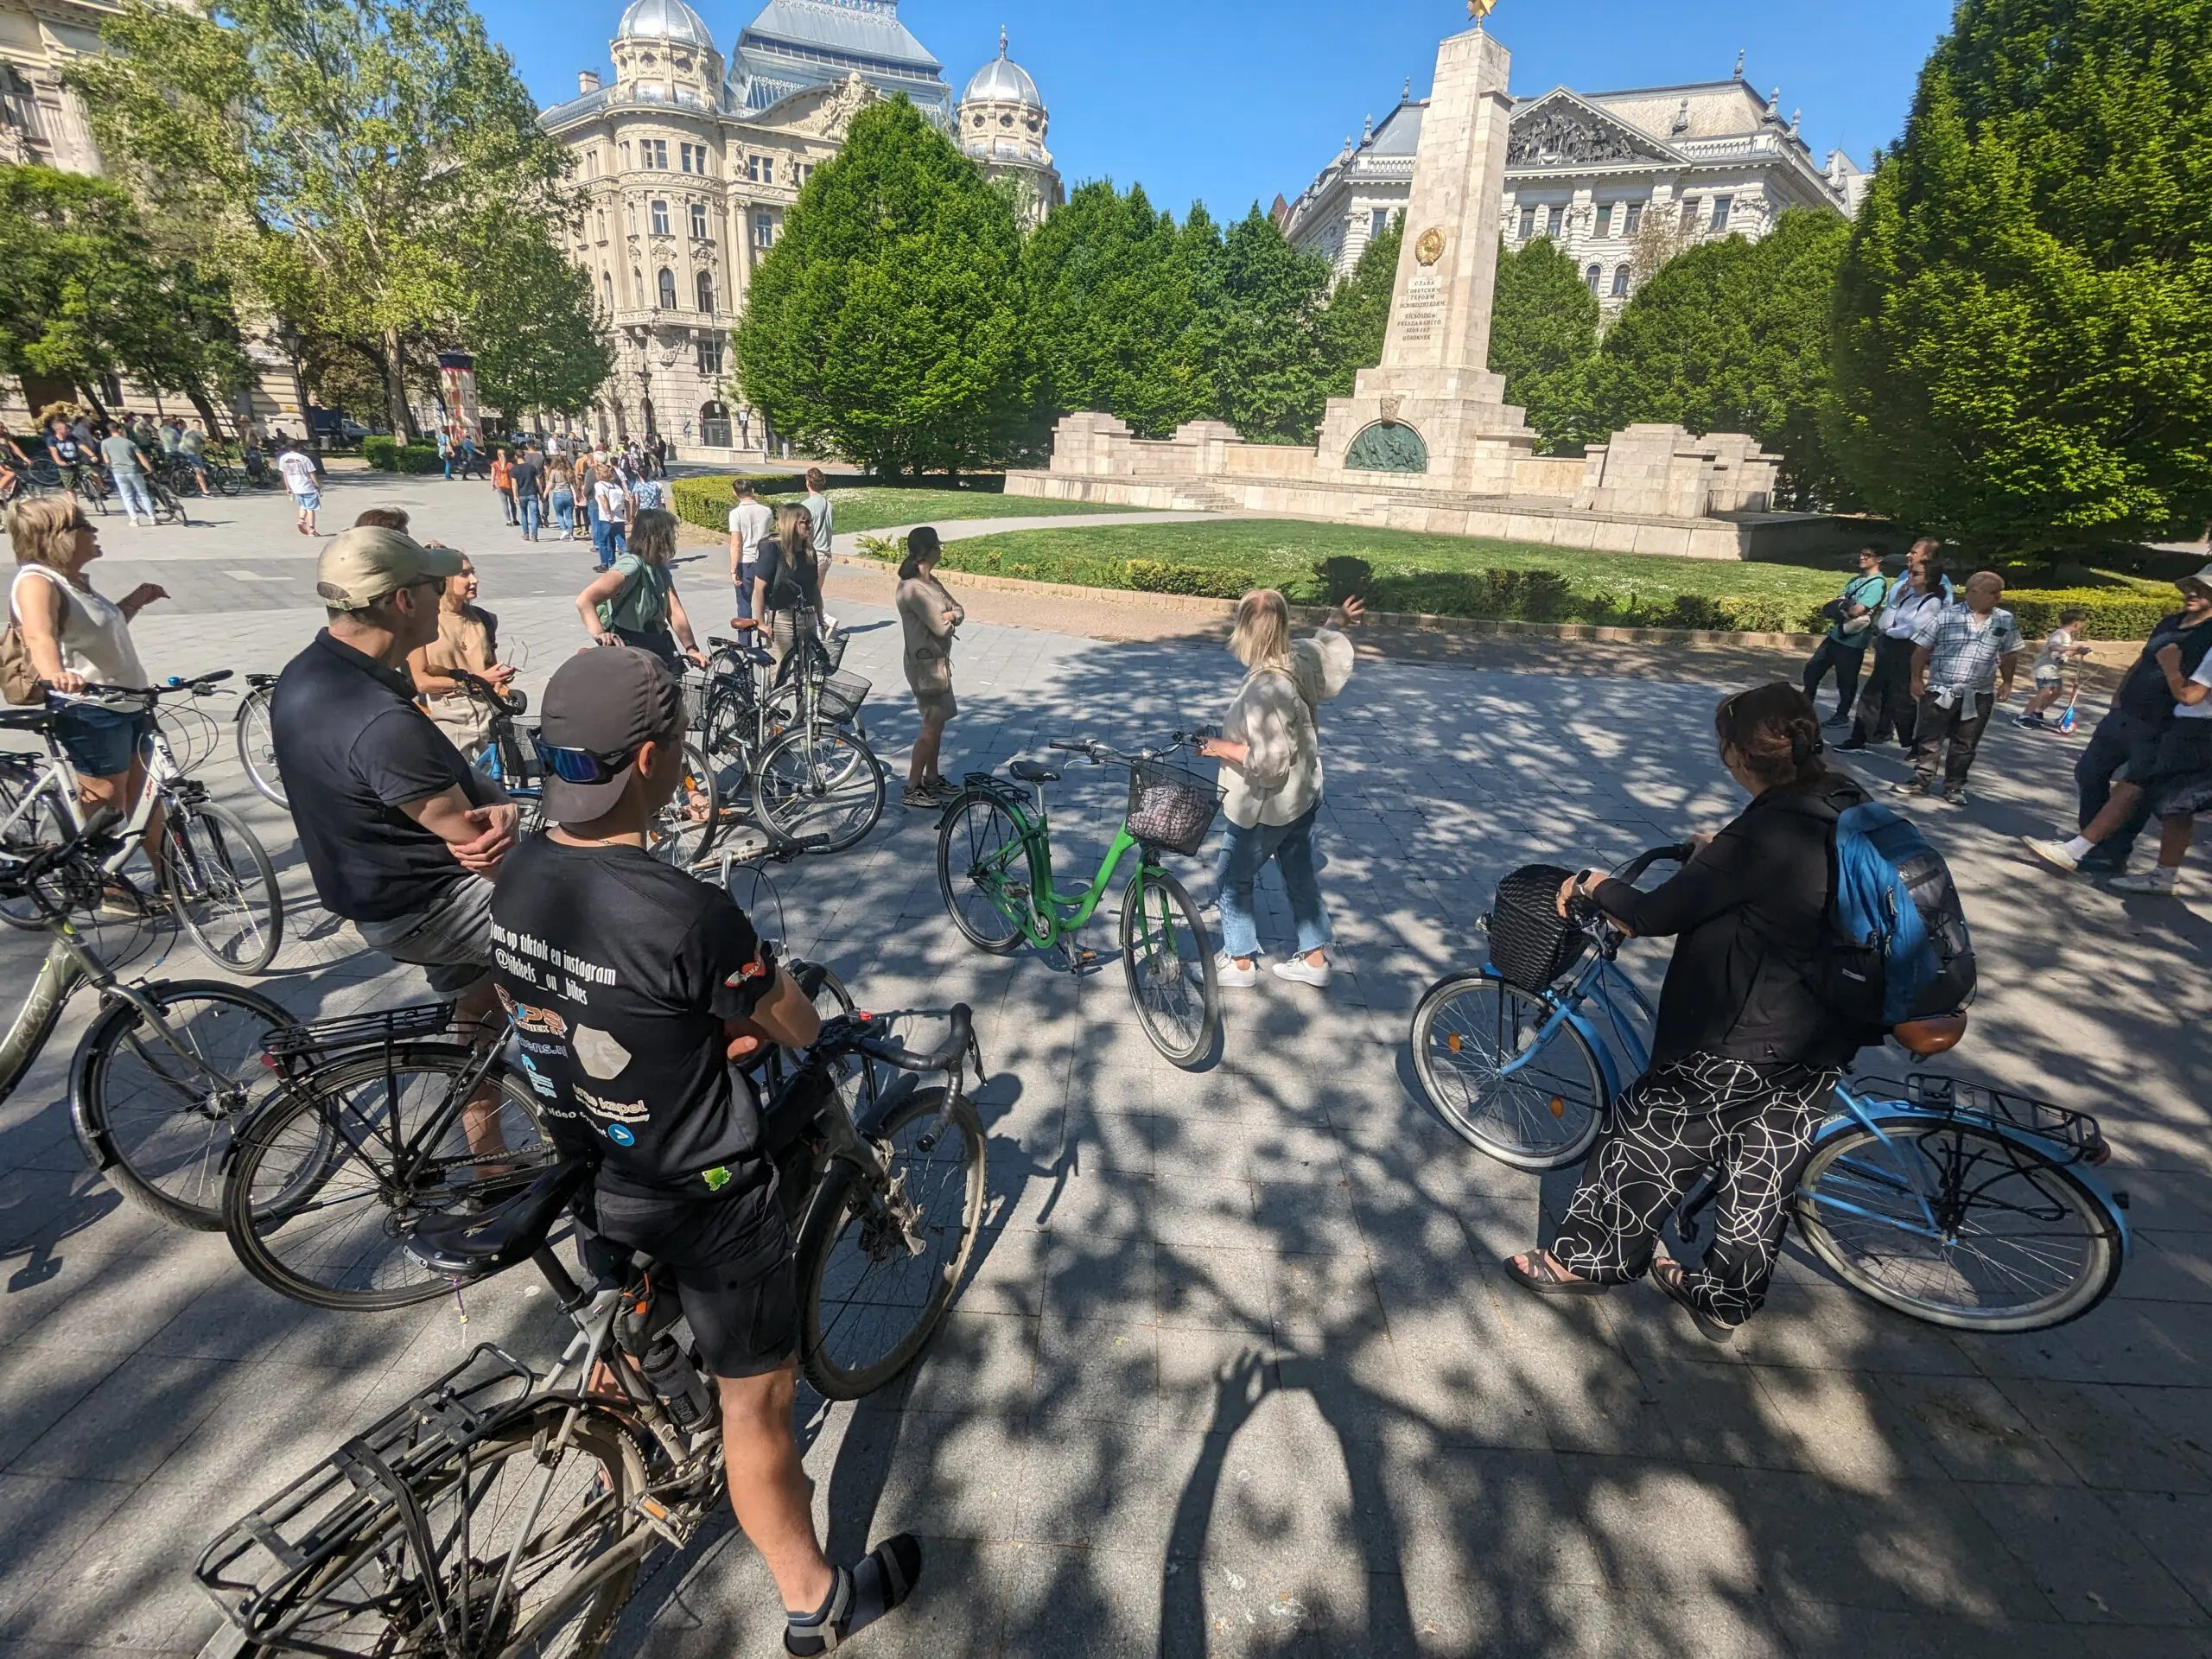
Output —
<point x="257" y="749"/>
<point x="685" y="829"/>
<point x="318" y="1200"/>
<point x="1546" y="1114"/>
<point x="35" y="820"/>
<point x="1167" y="957"/>
<point x="222" y="885"/>
<point x="982" y="871"/>
<point x="160" y="1118"/>
<point x="2019" y="1242"/>
<point x="877" y="1266"/>
<point x="824" y="784"/>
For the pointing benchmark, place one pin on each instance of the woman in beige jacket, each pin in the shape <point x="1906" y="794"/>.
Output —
<point x="1270" y="755"/>
<point x="929" y="615"/>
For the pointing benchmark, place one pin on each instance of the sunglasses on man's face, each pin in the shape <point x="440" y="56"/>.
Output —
<point x="582" y="765"/>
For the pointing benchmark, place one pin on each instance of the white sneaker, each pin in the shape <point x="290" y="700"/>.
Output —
<point x="1302" y="972"/>
<point x="1233" y="977"/>
<point x="2053" y="853"/>
<point x="2159" y="880"/>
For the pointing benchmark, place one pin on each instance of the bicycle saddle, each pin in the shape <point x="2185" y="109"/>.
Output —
<point x="1028" y="772"/>
<point x="25" y="720"/>
<point x="470" y="1243"/>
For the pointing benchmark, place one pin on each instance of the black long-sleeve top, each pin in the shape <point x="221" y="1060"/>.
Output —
<point x="1751" y="909"/>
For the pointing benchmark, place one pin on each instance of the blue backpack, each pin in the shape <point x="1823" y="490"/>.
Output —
<point x="1900" y="950"/>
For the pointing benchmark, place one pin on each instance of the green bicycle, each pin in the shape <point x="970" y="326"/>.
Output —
<point x="995" y="868"/>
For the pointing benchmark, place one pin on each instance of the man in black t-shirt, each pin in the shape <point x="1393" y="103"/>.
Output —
<point x="2126" y="738"/>
<point x="528" y="477"/>
<point x="632" y="987"/>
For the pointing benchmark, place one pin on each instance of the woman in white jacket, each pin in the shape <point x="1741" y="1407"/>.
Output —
<point x="1270" y="755"/>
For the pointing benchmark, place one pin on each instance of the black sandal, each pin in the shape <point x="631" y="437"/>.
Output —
<point x="1667" y="1274"/>
<point x="1546" y="1277"/>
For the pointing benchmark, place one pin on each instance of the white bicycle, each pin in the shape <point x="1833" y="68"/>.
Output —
<point x="216" y="877"/>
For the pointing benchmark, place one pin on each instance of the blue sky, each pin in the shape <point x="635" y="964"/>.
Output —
<point x="1228" y="101"/>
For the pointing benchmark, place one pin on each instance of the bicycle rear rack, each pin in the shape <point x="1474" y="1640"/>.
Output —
<point x="316" y="1038"/>
<point x="256" y="1571"/>
<point x="1955" y="1097"/>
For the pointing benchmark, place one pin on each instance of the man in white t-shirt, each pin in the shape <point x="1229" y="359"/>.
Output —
<point x="750" y="524"/>
<point x="611" y="534"/>
<point x="299" y="478"/>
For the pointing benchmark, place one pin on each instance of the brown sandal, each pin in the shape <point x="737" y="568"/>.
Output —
<point x="1667" y="1274"/>
<point x="1543" y="1275"/>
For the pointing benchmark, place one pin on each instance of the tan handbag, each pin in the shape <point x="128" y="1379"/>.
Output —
<point x="19" y="680"/>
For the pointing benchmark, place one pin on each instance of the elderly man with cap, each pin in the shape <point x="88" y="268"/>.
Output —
<point x="402" y="836"/>
<point x="661" y="983"/>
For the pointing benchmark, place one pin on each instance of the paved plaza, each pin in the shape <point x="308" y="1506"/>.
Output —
<point x="1237" y="1371"/>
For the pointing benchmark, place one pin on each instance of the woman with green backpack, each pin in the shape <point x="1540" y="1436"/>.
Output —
<point x="634" y="602"/>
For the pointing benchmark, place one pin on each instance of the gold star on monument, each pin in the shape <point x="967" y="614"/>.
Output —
<point x="1480" y="10"/>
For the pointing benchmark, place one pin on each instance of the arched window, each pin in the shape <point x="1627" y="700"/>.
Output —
<point x="1620" y="282"/>
<point x="1595" y="277"/>
<point x="607" y="280"/>
<point x="600" y="214"/>
<point x="714" y="425"/>
<point x="667" y="289"/>
<point x="660" y="218"/>
<point x="699" y="220"/>
<point x="705" y="283"/>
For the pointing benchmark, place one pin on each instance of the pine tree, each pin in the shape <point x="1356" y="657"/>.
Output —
<point x="2022" y="326"/>
<point x="1543" y="339"/>
<point x="885" y="322"/>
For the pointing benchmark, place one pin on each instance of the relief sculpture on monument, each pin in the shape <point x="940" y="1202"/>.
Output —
<point x="1387" y="447"/>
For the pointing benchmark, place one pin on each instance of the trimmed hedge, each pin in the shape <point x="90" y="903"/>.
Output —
<point x="390" y="455"/>
<point x="2115" y="612"/>
<point x="707" y="502"/>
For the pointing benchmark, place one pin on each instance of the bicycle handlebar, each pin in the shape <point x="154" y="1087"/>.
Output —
<point x="506" y="704"/>
<point x="1585" y="912"/>
<point x="852" y="1030"/>
<point x="1100" y="753"/>
<point x="199" y="686"/>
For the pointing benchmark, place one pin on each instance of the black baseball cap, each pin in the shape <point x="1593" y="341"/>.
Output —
<point x="601" y="706"/>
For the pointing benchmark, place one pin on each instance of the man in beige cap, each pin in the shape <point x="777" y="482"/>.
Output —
<point x="401" y="835"/>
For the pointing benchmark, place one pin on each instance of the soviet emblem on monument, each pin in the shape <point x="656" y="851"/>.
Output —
<point x="1430" y="248"/>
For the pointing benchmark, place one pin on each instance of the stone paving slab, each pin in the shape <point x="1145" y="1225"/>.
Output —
<point x="1237" y="1371"/>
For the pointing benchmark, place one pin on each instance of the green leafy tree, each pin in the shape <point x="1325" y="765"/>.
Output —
<point x="1259" y="331"/>
<point x="540" y="341"/>
<point x="84" y="292"/>
<point x="343" y="157"/>
<point x="886" y="323"/>
<point x="1543" y="339"/>
<point x="1733" y="336"/>
<point x="1358" y="317"/>
<point x="1109" y="310"/>
<point x="2023" y="342"/>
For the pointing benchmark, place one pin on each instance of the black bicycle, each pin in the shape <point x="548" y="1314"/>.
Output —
<point x="499" y="1513"/>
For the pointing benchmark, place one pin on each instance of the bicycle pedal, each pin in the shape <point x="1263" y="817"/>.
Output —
<point x="665" y="1521"/>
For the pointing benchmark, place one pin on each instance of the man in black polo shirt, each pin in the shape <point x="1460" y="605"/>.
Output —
<point x="401" y="835"/>
<point x="633" y="985"/>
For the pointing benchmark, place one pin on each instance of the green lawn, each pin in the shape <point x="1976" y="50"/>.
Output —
<point x="705" y="501"/>
<point x="1458" y="575"/>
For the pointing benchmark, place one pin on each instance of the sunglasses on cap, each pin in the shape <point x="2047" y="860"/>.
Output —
<point x="581" y="766"/>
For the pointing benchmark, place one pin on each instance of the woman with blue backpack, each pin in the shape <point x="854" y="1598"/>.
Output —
<point x="1752" y="1029"/>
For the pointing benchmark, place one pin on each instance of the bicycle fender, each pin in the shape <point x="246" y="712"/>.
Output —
<point x="892" y="1098"/>
<point x="1909" y="1118"/>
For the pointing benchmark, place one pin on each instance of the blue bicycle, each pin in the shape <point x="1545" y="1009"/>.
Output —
<point x="1957" y="1204"/>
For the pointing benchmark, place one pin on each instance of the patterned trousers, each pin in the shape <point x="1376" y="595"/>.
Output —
<point x="1755" y="1124"/>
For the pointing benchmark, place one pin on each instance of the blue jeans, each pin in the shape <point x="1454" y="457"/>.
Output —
<point x="137" y="501"/>
<point x="564" y="509"/>
<point x="745" y="591"/>
<point x="1243" y="852"/>
<point x="532" y="512"/>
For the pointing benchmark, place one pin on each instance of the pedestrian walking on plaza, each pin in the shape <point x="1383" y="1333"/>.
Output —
<point x="300" y="479"/>
<point x="1270" y="755"/>
<point x="503" y="484"/>
<point x="1745" y="1049"/>
<point x="125" y="466"/>
<point x="1851" y="626"/>
<point x="526" y="483"/>
<point x="1962" y="662"/>
<point x="823" y="519"/>
<point x="635" y="602"/>
<point x="928" y="615"/>
<point x="611" y="513"/>
<point x="751" y="522"/>
<point x="468" y="639"/>
<point x="445" y="452"/>
<point x="786" y="589"/>
<point x="2128" y="750"/>
<point x="1885" y="705"/>
<point x="561" y="493"/>
<point x="76" y="636"/>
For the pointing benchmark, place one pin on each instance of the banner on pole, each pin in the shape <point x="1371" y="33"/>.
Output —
<point x="457" y="384"/>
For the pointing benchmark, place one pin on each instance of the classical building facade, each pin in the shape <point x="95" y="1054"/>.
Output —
<point x="1001" y="123"/>
<point x="1620" y="181"/>
<point x="689" y="162"/>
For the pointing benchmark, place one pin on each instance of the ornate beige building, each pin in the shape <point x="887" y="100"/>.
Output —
<point x="689" y="162"/>
<point x="1617" y="180"/>
<point x="40" y="120"/>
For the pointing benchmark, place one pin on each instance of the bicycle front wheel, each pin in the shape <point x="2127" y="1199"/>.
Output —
<point x="824" y="784"/>
<point x="222" y="885"/>
<point x="685" y="829"/>
<point x="257" y="749"/>
<point x="572" y="1574"/>
<point x="877" y="1265"/>
<point x="1958" y="1224"/>
<point x="1167" y="957"/>
<point x="159" y="1104"/>
<point x="325" y="1187"/>
<point x="1544" y="1116"/>
<point x="982" y="871"/>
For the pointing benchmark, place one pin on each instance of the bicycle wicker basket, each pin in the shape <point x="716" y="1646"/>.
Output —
<point x="1172" y="807"/>
<point x="842" y="696"/>
<point x="1530" y="945"/>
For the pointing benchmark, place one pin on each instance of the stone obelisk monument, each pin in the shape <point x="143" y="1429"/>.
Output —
<point x="1433" y="405"/>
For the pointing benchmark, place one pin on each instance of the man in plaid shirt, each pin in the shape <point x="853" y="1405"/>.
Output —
<point x="1962" y="662"/>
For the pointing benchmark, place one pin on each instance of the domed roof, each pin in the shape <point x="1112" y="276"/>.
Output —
<point x="664" y="20"/>
<point x="1004" y="82"/>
